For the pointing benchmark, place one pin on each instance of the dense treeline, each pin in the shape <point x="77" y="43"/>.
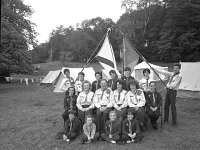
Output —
<point x="17" y="33"/>
<point x="162" y="31"/>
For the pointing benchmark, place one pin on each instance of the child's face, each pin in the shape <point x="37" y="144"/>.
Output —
<point x="113" y="75"/>
<point x="127" y="73"/>
<point x="81" y="77"/>
<point x="71" y="117"/>
<point x="119" y="86"/>
<point x="129" y="116"/>
<point x="112" y="117"/>
<point x="146" y="74"/>
<point x="67" y="74"/>
<point x="86" y="86"/>
<point x="152" y="86"/>
<point x="132" y="87"/>
<point x="89" y="121"/>
<point x="98" y="77"/>
<point x="71" y="91"/>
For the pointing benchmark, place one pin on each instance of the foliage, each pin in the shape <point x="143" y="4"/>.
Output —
<point x="17" y="33"/>
<point x="161" y="30"/>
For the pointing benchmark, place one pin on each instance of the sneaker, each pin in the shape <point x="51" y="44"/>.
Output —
<point x="128" y="142"/>
<point x="88" y="142"/>
<point x="113" y="142"/>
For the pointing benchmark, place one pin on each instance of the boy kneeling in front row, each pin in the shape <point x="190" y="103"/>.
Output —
<point x="89" y="131"/>
<point x="112" y="129"/>
<point x="72" y="127"/>
<point x="131" y="129"/>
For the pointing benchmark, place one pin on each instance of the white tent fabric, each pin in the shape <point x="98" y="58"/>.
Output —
<point x="190" y="84"/>
<point x="51" y="77"/>
<point x="138" y="71"/>
<point x="89" y="75"/>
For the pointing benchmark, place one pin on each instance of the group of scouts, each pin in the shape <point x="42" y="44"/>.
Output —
<point x="116" y="110"/>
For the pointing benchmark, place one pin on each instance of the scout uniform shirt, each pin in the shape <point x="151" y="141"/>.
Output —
<point x="85" y="100"/>
<point x="89" y="130"/>
<point x="73" y="126"/>
<point x="66" y="83"/>
<point x="144" y="83"/>
<point x="154" y="99"/>
<point x="130" y="126"/>
<point x="119" y="98"/>
<point x="126" y="81"/>
<point x="135" y="99"/>
<point x="70" y="102"/>
<point x="174" y="81"/>
<point x="103" y="98"/>
<point x="113" y="128"/>
<point x="78" y="86"/>
<point x="112" y="84"/>
<point x="95" y="86"/>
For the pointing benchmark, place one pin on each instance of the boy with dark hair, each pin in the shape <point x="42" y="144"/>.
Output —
<point x="127" y="78"/>
<point x="144" y="82"/>
<point x="172" y="87"/>
<point x="96" y="84"/>
<point x="67" y="81"/>
<point x="112" y="82"/>
<point x="130" y="129"/>
<point x="153" y="103"/>
<point x="72" y="127"/>
<point x="112" y="129"/>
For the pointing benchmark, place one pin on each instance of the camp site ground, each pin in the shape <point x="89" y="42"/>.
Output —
<point x="31" y="120"/>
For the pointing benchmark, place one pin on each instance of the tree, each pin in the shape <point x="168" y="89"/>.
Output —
<point x="17" y="33"/>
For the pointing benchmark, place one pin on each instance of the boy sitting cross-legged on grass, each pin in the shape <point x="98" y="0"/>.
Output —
<point x="72" y="127"/>
<point x="112" y="129"/>
<point x="130" y="129"/>
<point x="89" y="131"/>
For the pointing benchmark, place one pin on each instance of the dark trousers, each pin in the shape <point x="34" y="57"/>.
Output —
<point x="65" y="115"/>
<point x="106" y="137"/>
<point x="71" y="135"/>
<point x="153" y="115"/>
<point x="121" y="114"/>
<point x="85" y="138"/>
<point x="170" y="100"/>
<point x="137" y="138"/>
<point x="140" y="113"/>
<point x="101" y="118"/>
<point x="81" y="115"/>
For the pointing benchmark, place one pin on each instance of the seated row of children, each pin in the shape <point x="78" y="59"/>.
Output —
<point x="105" y="99"/>
<point x="114" y="131"/>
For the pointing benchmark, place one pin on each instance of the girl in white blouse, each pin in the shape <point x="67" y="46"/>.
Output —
<point x="136" y="102"/>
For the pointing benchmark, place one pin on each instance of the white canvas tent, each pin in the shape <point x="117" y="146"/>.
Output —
<point x="190" y="84"/>
<point x="138" y="71"/>
<point x="51" y="77"/>
<point x="89" y="75"/>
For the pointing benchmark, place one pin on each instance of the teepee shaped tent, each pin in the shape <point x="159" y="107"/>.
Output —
<point x="106" y="55"/>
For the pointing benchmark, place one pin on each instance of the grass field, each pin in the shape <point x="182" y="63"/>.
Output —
<point x="30" y="120"/>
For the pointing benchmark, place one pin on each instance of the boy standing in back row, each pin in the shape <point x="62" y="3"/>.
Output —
<point x="172" y="87"/>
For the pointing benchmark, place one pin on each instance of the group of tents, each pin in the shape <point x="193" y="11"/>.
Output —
<point x="189" y="87"/>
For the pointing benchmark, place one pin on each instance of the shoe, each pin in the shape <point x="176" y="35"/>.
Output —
<point x="128" y="142"/>
<point x="120" y="142"/>
<point x="100" y="139"/>
<point x="113" y="142"/>
<point x="123" y="142"/>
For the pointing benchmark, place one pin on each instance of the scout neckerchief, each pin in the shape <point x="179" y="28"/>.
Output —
<point x="135" y="95"/>
<point x="71" y="102"/>
<point x="89" y="129"/>
<point x="86" y="94"/>
<point x="154" y="100"/>
<point x="111" y="126"/>
<point x="173" y="77"/>
<point x="103" y="93"/>
<point x="130" y="129"/>
<point x="118" y="98"/>
<point x="147" y="84"/>
<point x="70" y="125"/>
<point x="97" y="85"/>
<point x="127" y="80"/>
<point x="112" y="83"/>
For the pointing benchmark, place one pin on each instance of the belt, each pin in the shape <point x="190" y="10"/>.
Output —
<point x="85" y="106"/>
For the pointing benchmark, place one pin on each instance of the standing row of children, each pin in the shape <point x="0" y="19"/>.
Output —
<point x="113" y="110"/>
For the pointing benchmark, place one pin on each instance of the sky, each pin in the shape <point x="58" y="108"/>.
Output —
<point x="49" y="14"/>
